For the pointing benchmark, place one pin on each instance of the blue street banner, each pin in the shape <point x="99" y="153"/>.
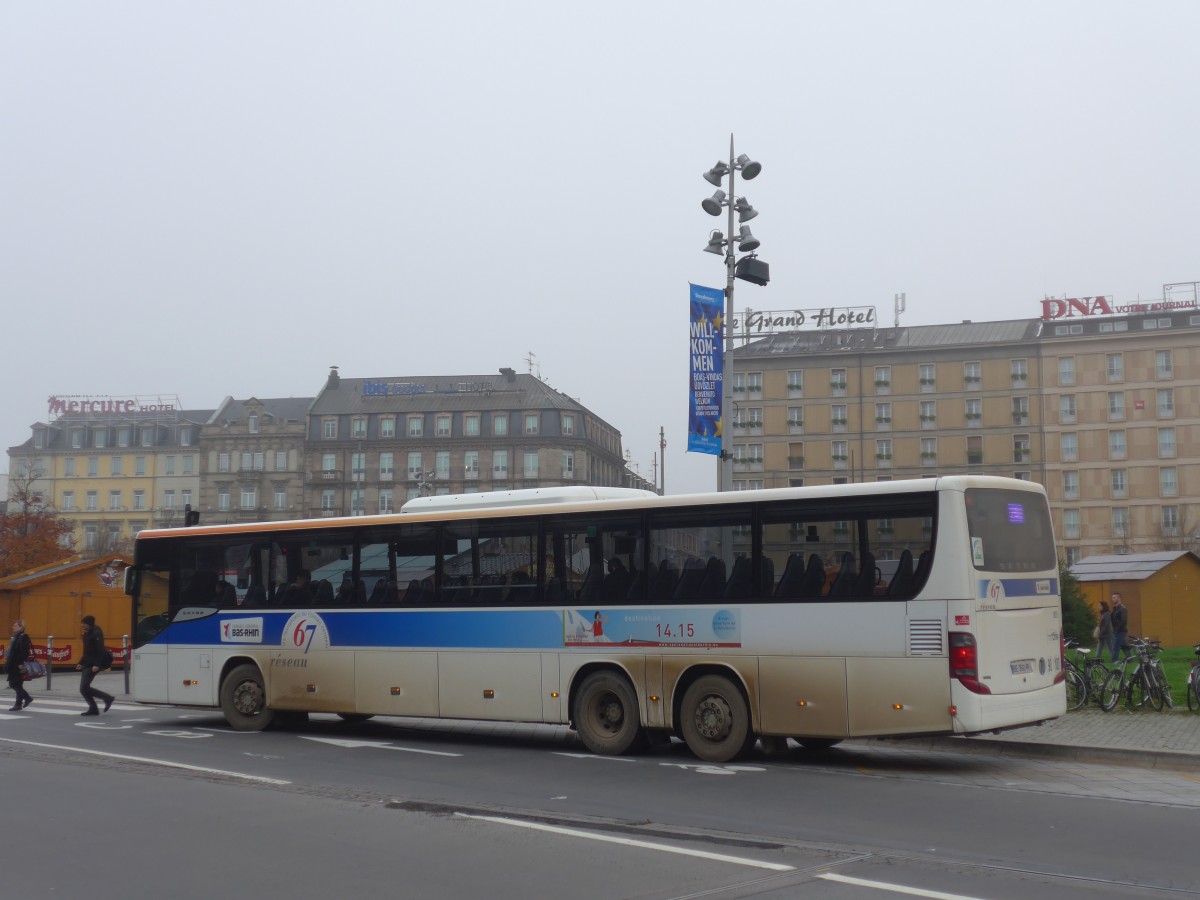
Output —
<point x="707" y="369"/>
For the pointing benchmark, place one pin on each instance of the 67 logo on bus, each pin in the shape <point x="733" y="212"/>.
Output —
<point x="305" y="630"/>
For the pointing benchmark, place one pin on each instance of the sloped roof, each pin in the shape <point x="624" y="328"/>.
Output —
<point x="33" y="577"/>
<point x="1127" y="566"/>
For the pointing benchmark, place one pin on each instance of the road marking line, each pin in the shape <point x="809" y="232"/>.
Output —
<point x="620" y="759"/>
<point x="632" y="842"/>
<point x="154" y="762"/>
<point x="378" y="745"/>
<point x="895" y="888"/>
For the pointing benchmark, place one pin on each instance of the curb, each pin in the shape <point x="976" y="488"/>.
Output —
<point x="1120" y="756"/>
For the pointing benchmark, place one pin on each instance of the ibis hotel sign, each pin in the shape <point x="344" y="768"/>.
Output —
<point x="77" y="403"/>
<point x="1053" y="308"/>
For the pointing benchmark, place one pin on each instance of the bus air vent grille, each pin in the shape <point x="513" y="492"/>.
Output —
<point x="925" y="637"/>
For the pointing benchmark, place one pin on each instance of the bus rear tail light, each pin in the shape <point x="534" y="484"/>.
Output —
<point x="964" y="662"/>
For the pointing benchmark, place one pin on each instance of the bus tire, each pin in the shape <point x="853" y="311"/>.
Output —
<point x="606" y="715"/>
<point x="815" y="743"/>
<point x="244" y="700"/>
<point x="715" y="720"/>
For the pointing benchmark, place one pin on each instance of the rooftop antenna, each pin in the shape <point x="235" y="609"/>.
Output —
<point x="900" y="307"/>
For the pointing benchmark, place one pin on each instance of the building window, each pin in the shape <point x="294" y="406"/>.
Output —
<point x="754" y="382"/>
<point x="281" y="464"/>
<point x="247" y="461"/>
<point x="90" y="537"/>
<point x="500" y="424"/>
<point x="972" y="375"/>
<point x="68" y="501"/>
<point x="928" y="413"/>
<point x="1166" y="442"/>
<point x="186" y="497"/>
<point x="1066" y="409"/>
<point x="441" y="465"/>
<point x="386" y="504"/>
<point x="471" y="464"/>
<point x="77" y="438"/>
<point x="883" y="417"/>
<point x="147" y="437"/>
<point x="840" y="453"/>
<point x="499" y="463"/>
<point x="1163" y="368"/>
<point x="387" y="427"/>
<point x="1021" y="448"/>
<point x="795" y="383"/>
<point x="883" y="453"/>
<point x="795" y="450"/>
<point x="329" y="429"/>
<point x="1071" y="524"/>
<point x="1120" y="522"/>
<point x="185" y="437"/>
<point x="974" y="411"/>
<point x="839" y="417"/>
<point x="568" y="425"/>
<point x="328" y="465"/>
<point x="281" y="498"/>
<point x="249" y="496"/>
<point x="387" y="466"/>
<point x="1170" y="521"/>
<point x="416" y="465"/>
<point x="169" y="499"/>
<point x="1115" y="366"/>
<point x="1165" y="398"/>
<point x="442" y="425"/>
<point x="416" y="426"/>
<point x="223" y="499"/>
<point x="139" y="465"/>
<point x="531" y="464"/>
<point x="92" y="501"/>
<point x="1116" y="406"/>
<point x="928" y="451"/>
<point x="139" y="499"/>
<point x="358" y="427"/>
<point x="1019" y="370"/>
<point x="568" y="464"/>
<point x="1066" y="371"/>
<point x="837" y="382"/>
<point x="1168" y="482"/>
<point x="531" y="423"/>
<point x="975" y="450"/>
<point x="1020" y="410"/>
<point x="169" y="464"/>
<point x="471" y="425"/>
<point x="252" y="423"/>
<point x="1116" y="445"/>
<point x="1120" y="484"/>
<point x="69" y="467"/>
<point x="123" y="437"/>
<point x="795" y="419"/>
<point x="928" y="376"/>
<point x="115" y="465"/>
<point x="93" y="466"/>
<point x="223" y="461"/>
<point x="358" y="466"/>
<point x="1070" y="446"/>
<point x="1070" y="485"/>
<point x="328" y="498"/>
<point x="883" y="379"/>
<point x="99" y="439"/>
<point x="188" y="463"/>
<point x="114" y="500"/>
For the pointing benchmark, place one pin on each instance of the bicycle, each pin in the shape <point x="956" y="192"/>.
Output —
<point x="1193" y="682"/>
<point x="1157" y="675"/>
<point x="1085" y="678"/>
<point x="1136" y="685"/>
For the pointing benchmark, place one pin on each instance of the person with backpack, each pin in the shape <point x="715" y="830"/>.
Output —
<point x="1120" y="627"/>
<point x="19" y="652"/>
<point x="95" y="659"/>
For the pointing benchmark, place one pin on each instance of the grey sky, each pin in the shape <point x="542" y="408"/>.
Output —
<point x="226" y="198"/>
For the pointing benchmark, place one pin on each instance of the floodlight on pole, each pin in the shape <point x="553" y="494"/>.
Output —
<point x="748" y="268"/>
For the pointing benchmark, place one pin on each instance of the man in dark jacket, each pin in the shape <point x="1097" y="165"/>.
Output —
<point x="19" y="651"/>
<point x="92" y="663"/>
<point x="1120" y="627"/>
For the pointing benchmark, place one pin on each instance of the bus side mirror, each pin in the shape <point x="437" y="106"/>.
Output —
<point x="131" y="580"/>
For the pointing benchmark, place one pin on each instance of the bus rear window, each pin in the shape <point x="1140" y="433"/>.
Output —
<point x="1010" y="531"/>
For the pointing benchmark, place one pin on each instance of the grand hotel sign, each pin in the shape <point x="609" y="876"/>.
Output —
<point x="753" y="323"/>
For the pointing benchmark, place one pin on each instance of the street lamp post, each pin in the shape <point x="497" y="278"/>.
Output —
<point x="748" y="268"/>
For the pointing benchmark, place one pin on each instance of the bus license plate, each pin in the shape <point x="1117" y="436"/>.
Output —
<point x="1021" y="666"/>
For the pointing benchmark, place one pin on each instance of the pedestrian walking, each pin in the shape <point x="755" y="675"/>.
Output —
<point x="20" y="650"/>
<point x="1120" y="627"/>
<point x="95" y="658"/>
<point x="1104" y="631"/>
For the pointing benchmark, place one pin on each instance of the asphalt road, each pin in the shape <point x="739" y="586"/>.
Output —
<point x="148" y="799"/>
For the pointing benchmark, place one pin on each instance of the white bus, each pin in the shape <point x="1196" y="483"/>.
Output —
<point x="902" y="608"/>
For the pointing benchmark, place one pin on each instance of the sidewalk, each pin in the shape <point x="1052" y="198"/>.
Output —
<point x="1170" y="739"/>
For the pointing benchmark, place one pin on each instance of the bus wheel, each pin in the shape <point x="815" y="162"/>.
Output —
<point x="812" y="743"/>
<point x="355" y="717"/>
<point x="606" y="715"/>
<point x="244" y="700"/>
<point x="715" y="720"/>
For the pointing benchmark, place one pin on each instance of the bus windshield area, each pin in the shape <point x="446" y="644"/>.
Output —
<point x="1010" y="531"/>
